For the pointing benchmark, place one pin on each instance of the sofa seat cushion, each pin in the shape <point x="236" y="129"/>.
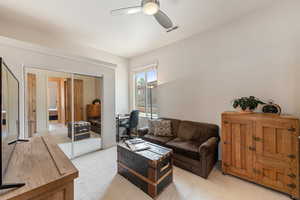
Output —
<point x="157" y="139"/>
<point x="187" y="148"/>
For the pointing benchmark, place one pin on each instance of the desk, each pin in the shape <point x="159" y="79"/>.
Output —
<point x="119" y="119"/>
<point x="45" y="169"/>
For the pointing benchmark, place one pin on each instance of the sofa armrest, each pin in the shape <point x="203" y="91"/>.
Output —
<point x="209" y="147"/>
<point x="143" y="131"/>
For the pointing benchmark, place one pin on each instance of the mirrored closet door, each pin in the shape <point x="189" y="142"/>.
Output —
<point x="87" y="113"/>
<point x="66" y="106"/>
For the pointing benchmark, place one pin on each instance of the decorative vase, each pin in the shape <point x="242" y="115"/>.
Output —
<point x="270" y="107"/>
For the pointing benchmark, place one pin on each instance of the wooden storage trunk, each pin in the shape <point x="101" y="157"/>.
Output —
<point x="81" y="130"/>
<point x="150" y="170"/>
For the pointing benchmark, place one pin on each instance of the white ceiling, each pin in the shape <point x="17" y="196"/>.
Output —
<point x="89" y="22"/>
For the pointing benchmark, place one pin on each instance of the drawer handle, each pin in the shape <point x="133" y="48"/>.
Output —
<point x="226" y="165"/>
<point x="257" y="139"/>
<point x="165" y="167"/>
<point x="292" y="185"/>
<point x="292" y="175"/>
<point x="292" y="156"/>
<point x="252" y="149"/>
<point x="292" y="129"/>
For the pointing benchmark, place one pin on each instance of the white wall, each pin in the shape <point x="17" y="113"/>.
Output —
<point x="19" y="54"/>
<point x="34" y="36"/>
<point x="256" y="55"/>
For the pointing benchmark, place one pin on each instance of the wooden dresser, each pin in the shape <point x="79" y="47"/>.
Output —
<point x="262" y="148"/>
<point x="93" y="110"/>
<point x="47" y="172"/>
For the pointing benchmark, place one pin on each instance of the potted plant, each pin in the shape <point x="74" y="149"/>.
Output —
<point x="97" y="101"/>
<point x="246" y="104"/>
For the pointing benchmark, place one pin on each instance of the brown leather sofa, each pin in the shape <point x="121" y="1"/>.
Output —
<point x="195" y="145"/>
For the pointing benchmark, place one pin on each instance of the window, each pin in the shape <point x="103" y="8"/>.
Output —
<point x="146" y="92"/>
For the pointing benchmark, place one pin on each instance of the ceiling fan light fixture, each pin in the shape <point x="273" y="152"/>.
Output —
<point x="150" y="7"/>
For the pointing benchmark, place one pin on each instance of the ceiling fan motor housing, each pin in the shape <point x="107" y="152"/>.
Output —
<point x="150" y="1"/>
<point x="150" y="7"/>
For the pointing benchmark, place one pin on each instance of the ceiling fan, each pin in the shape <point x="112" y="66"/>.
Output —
<point x="148" y="7"/>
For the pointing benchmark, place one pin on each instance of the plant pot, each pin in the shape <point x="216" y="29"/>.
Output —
<point x="247" y="111"/>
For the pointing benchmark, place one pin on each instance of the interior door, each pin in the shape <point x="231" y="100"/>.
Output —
<point x="68" y="100"/>
<point x="78" y="99"/>
<point x="31" y="102"/>
<point x="238" y="147"/>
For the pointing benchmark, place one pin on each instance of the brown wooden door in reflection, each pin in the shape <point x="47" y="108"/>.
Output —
<point x="78" y="100"/>
<point x="31" y="102"/>
<point x="68" y="100"/>
<point x="237" y="147"/>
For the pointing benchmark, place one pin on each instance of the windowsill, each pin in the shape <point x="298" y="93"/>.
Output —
<point x="144" y="115"/>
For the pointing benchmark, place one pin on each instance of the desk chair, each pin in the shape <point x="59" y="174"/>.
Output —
<point x="130" y="124"/>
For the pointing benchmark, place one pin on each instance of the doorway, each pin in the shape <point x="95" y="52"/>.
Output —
<point x="56" y="102"/>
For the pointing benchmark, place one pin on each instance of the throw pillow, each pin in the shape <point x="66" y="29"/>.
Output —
<point x="186" y="131"/>
<point x="163" y="128"/>
<point x="152" y="124"/>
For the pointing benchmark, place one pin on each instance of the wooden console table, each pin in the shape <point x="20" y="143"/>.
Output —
<point x="46" y="170"/>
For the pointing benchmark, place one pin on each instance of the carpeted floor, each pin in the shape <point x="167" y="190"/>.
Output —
<point x="98" y="180"/>
<point x="81" y="146"/>
<point x="60" y="134"/>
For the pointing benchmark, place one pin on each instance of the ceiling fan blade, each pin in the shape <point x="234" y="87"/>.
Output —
<point x="126" y="11"/>
<point x="163" y="20"/>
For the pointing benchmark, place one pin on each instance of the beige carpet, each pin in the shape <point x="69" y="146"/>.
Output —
<point x="60" y="134"/>
<point x="98" y="180"/>
<point x="81" y="146"/>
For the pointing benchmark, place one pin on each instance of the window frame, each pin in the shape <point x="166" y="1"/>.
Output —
<point x="144" y="70"/>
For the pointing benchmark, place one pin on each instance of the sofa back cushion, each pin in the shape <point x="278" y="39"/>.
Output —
<point x="187" y="131"/>
<point x="174" y="125"/>
<point x="163" y="129"/>
<point x="152" y="124"/>
<point x="197" y="131"/>
<point x="160" y="127"/>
